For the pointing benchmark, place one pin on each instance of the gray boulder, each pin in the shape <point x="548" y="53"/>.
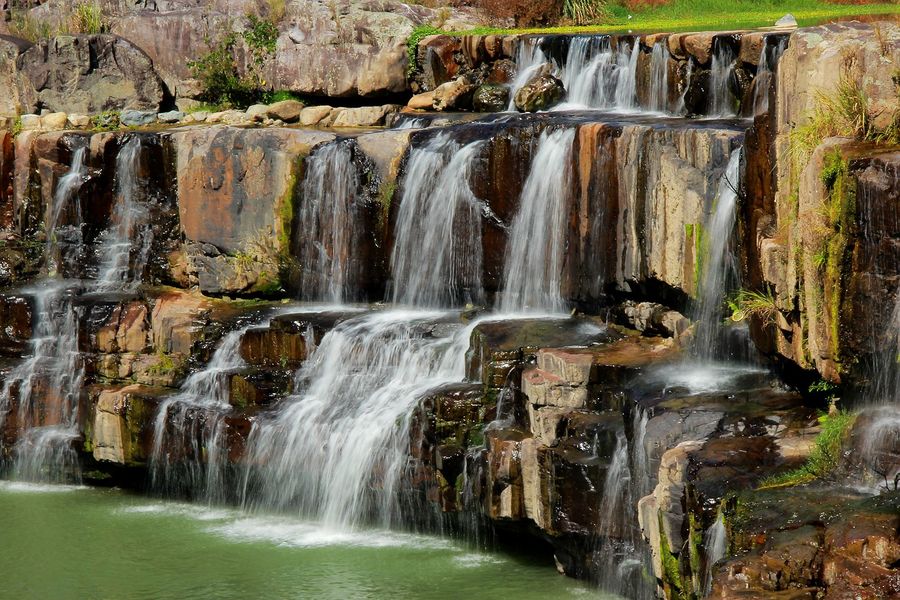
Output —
<point x="15" y="98"/>
<point x="90" y="74"/>
<point x="137" y="118"/>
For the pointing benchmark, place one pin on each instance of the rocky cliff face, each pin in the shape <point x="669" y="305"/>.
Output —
<point x="593" y="434"/>
<point x="348" y="48"/>
<point x="815" y="244"/>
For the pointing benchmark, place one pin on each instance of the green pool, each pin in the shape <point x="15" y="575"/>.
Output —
<point x="84" y="543"/>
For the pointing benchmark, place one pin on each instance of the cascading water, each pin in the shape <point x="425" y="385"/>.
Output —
<point x="414" y="123"/>
<point x="722" y="102"/>
<point x="329" y="223"/>
<point x="659" y="77"/>
<point x="587" y="69"/>
<point x="46" y="386"/>
<point x="596" y="75"/>
<point x="720" y="266"/>
<point x="639" y="460"/>
<point x="121" y="269"/>
<point x="529" y="60"/>
<point x="715" y="542"/>
<point x="617" y="485"/>
<point x="680" y="107"/>
<point x="621" y="553"/>
<point x="189" y="455"/>
<point x="64" y="201"/>
<point x="626" y="75"/>
<point x="881" y="436"/>
<point x="337" y="449"/>
<point x="534" y="257"/>
<point x="765" y="74"/>
<point x="439" y="221"/>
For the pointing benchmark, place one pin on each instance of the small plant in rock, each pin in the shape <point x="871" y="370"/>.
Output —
<point x="28" y="28"/>
<point x="106" y="121"/>
<point x="218" y="72"/>
<point x="277" y="10"/>
<point x="281" y="95"/>
<point x="412" y="44"/>
<point x="17" y="126"/>
<point x="261" y="38"/>
<point x="846" y="111"/>
<point x="825" y="456"/>
<point x="88" y="18"/>
<point x="752" y="304"/>
<point x="585" y="12"/>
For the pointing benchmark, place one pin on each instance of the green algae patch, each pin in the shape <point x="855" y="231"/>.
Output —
<point x="671" y="568"/>
<point x="841" y="213"/>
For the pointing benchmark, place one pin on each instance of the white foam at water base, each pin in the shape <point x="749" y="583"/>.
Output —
<point x="195" y="512"/>
<point x="38" y="488"/>
<point x="298" y="534"/>
<point x="476" y="559"/>
<point x="701" y="378"/>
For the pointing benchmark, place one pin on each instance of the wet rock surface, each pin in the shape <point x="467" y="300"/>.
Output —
<point x="541" y="93"/>
<point x="594" y="434"/>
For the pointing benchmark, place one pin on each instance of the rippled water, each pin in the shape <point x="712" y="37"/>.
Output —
<point x="67" y="542"/>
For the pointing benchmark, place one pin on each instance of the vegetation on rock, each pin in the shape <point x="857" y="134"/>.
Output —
<point x="220" y="76"/>
<point x="825" y="456"/>
<point x="753" y="304"/>
<point x="607" y="16"/>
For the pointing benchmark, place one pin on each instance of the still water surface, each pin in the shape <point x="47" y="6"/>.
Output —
<point x="79" y="543"/>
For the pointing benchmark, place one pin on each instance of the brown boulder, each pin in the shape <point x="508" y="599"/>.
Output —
<point x="244" y="177"/>
<point x="286" y="110"/>
<point x="454" y="95"/>
<point x="541" y="93"/>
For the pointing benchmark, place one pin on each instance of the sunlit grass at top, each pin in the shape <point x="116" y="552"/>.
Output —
<point x="699" y="15"/>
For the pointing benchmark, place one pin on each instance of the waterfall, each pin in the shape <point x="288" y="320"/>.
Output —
<point x="622" y="555"/>
<point x="439" y="223"/>
<point x="597" y="76"/>
<point x="887" y="367"/>
<point x="626" y="75"/>
<point x="64" y="200"/>
<point x="681" y="108"/>
<point x="529" y="60"/>
<point x="189" y="454"/>
<point x="639" y="458"/>
<point x="659" y="77"/>
<point x="130" y="228"/>
<point x="880" y="447"/>
<point x="722" y="102"/>
<point x="768" y="62"/>
<point x="45" y="387"/>
<point x="413" y="123"/>
<point x="587" y="70"/>
<point x="534" y="256"/>
<point x="329" y="223"/>
<point x="617" y="501"/>
<point x="715" y="541"/>
<point x="720" y="264"/>
<point x="337" y="449"/>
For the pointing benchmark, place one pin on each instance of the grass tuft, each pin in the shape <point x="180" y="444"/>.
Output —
<point x="412" y="44"/>
<point x="88" y="18"/>
<point x="752" y="304"/>
<point x="825" y="456"/>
